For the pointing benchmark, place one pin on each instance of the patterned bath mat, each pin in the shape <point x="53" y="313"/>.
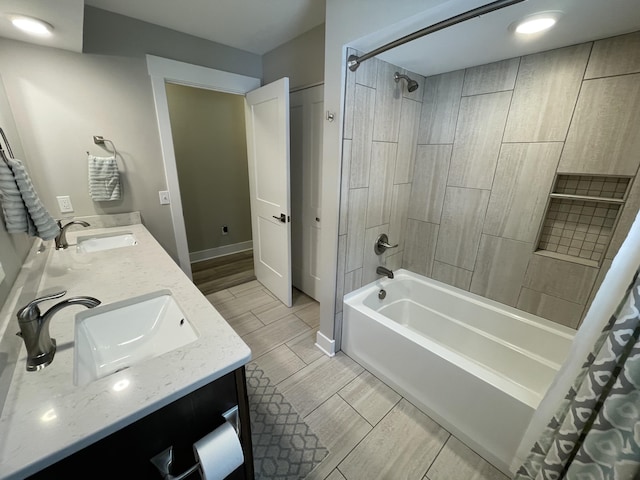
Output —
<point x="284" y="447"/>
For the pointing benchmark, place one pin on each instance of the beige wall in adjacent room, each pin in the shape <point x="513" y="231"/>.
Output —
<point x="210" y="144"/>
<point x="300" y="59"/>
<point x="61" y="99"/>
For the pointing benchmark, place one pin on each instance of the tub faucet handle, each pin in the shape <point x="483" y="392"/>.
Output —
<point x="382" y="243"/>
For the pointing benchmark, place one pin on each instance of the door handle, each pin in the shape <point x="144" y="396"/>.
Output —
<point x="282" y="217"/>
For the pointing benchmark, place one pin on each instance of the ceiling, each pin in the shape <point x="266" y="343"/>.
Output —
<point x="254" y="26"/>
<point x="259" y="26"/>
<point x="67" y="16"/>
<point x="488" y="38"/>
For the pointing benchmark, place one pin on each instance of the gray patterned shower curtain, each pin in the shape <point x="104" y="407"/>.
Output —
<point x="595" y="434"/>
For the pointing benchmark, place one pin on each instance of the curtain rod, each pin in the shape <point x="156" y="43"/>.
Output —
<point x="353" y="62"/>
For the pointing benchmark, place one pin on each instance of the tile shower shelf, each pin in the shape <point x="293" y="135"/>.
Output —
<point x="586" y="198"/>
<point x="567" y="258"/>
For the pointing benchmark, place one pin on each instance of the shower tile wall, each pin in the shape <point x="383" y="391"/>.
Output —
<point x="474" y="186"/>
<point x="382" y="120"/>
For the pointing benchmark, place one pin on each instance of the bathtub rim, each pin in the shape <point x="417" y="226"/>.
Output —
<point x="354" y="300"/>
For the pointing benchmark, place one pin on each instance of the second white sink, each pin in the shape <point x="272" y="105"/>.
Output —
<point x="113" y="337"/>
<point x="106" y="241"/>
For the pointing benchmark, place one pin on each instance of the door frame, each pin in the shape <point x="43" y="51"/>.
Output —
<point x="163" y="70"/>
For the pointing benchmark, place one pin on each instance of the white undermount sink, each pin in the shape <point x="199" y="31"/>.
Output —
<point x="106" y="241"/>
<point x="113" y="337"/>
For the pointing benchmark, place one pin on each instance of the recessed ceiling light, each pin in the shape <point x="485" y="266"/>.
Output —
<point x="31" y="25"/>
<point x="535" y="23"/>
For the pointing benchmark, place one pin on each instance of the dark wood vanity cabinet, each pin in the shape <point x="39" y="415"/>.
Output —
<point x="126" y="453"/>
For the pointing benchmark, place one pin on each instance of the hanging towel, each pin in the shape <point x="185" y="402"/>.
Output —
<point x="104" y="179"/>
<point x="23" y="211"/>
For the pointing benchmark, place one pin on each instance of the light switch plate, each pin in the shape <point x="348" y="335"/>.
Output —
<point x="1" y="273"/>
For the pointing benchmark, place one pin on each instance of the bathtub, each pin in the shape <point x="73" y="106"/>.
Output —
<point x="477" y="367"/>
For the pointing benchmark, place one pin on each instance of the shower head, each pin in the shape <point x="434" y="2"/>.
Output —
<point x="412" y="85"/>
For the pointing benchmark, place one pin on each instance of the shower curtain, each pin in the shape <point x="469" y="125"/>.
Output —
<point x="595" y="434"/>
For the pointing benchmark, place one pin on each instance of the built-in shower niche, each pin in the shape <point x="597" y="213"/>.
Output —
<point x="582" y="213"/>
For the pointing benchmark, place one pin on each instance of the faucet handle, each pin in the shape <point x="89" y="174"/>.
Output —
<point x="31" y="310"/>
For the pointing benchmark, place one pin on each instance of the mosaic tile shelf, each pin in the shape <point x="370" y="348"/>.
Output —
<point x="581" y="216"/>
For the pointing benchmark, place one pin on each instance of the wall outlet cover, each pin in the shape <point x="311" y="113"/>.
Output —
<point x="165" y="199"/>
<point x="64" y="204"/>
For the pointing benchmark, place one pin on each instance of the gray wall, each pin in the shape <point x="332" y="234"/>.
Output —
<point x="300" y="59"/>
<point x="61" y="99"/>
<point x="490" y="141"/>
<point x="210" y="144"/>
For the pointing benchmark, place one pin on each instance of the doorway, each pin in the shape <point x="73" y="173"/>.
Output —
<point x="209" y="138"/>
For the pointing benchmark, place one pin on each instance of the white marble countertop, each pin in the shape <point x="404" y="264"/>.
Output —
<point x="46" y="417"/>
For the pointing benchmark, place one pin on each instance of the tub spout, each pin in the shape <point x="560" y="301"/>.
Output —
<point x="384" y="271"/>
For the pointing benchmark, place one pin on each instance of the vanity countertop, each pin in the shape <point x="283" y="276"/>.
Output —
<point x="46" y="417"/>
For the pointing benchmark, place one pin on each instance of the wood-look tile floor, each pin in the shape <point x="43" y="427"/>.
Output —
<point x="371" y="431"/>
<point x="224" y="272"/>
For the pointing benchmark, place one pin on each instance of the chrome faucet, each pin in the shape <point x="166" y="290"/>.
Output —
<point x="61" y="239"/>
<point x="34" y="328"/>
<point x="384" y="271"/>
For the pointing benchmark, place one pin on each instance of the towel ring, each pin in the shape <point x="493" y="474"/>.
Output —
<point x="100" y="140"/>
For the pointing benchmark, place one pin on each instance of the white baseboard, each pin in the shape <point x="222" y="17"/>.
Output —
<point x="327" y="346"/>
<point x="220" y="251"/>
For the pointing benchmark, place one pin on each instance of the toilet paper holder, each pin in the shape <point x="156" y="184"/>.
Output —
<point x="164" y="460"/>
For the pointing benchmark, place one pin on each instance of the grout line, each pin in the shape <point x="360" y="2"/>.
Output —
<point x="438" y="454"/>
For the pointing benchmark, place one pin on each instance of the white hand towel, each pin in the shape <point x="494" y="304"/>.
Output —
<point x="104" y="178"/>
<point x="23" y="211"/>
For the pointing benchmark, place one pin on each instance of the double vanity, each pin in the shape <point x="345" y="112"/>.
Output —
<point x="153" y="366"/>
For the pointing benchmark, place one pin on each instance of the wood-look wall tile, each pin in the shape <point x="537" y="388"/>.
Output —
<point x="457" y="461"/>
<point x="420" y="246"/>
<point x="367" y="72"/>
<point x="342" y="261"/>
<point x="356" y="226"/>
<point x="386" y="125"/>
<point x="394" y="262"/>
<point x="545" y="95"/>
<point x="604" y="268"/>
<point x="399" y="212"/>
<point x="552" y="308"/>
<point x="440" y="104"/>
<point x="383" y="164"/>
<point x="401" y="446"/>
<point x="365" y="100"/>
<point x="614" y="56"/>
<point x="461" y="226"/>
<point x="454" y="276"/>
<point x="371" y="260"/>
<point x="567" y="280"/>
<point x="627" y="216"/>
<point x="349" y="104"/>
<point x="337" y="331"/>
<point x="478" y="137"/>
<point x="492" y="77"/>
<point x="352" y="280"/>
<point x="407" y="140"/>
<point x="500" y="269"/>
<point x="429" y="182"/>
<point x="344" y="187"/>
<point x="603" y="138"/>
<point x="416" y="94"/>
<point x="521" y="187"/>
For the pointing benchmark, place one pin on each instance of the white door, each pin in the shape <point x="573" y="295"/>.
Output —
<point x="267" y="119"/>
<point x="307" y="116"/>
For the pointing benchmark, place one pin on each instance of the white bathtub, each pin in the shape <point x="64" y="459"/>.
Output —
<point x="477" y="367"/>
